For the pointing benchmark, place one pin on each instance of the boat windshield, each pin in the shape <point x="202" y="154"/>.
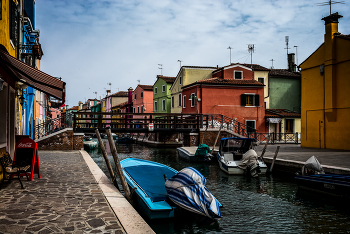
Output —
<point x="235" y="145"/>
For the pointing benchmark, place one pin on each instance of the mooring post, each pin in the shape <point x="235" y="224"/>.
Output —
<point x="264" y="149"/>
<point x="117" y="165"/>
<point x="104" y="154"/>
<point x="217" y="136"/>
<point x="274" y="158"/>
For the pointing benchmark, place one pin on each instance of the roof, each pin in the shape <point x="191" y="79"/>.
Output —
<point x="255" y="67"/>
<point x="32" y="76"/>
<point x="167" y="79"/>
<point x="278" y="113"/>
<point x="146" y="87"/>
<point x="120" y="94"/>
<point x="342" y="36"/>
<point x="284" y="72"/>
<point x="74" y="108"/>
<point x="120" y="105"/>
<point x="221" y="81"/>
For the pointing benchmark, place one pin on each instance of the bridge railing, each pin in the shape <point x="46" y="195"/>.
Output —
<point x="53" y="125"/>
<point x="134" y="121"/>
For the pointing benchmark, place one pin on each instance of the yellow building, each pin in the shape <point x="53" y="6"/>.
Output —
<point x="187" y="75"/>
<point x="325" y="102"/>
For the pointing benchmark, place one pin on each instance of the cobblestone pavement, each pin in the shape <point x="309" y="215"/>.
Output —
<point x="65" y="200"/>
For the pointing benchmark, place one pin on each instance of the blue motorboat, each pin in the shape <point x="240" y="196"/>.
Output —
<point x="146" y="180"/>
<point x="160" y="190"/>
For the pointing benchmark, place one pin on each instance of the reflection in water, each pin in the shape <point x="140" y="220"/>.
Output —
<point x="250" y="205"/>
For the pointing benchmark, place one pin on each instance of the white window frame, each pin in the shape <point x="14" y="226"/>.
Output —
<point x="155" y="106"/>
<point x="193" y="100"/>
<point x="234" y="75"/>
<point x="172" y="101"/>
<point x="251" y="94"/>
<point x="155" y="90"/>
<point x="163" y="105"/>
<point x="163" y="88"/>
<point x="263" y="79"/>
<point x="180" y="99"/>
<point x="247" y="125"/>
<point x="184" y="101"/>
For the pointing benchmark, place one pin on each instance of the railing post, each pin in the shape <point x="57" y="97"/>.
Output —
<point x="239" y="128"/>
<point x="297" y="138"/>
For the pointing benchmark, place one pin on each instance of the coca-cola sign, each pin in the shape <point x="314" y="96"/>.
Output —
<point x="25" y="145"/>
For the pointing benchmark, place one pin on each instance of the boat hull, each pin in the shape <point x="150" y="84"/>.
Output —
<point x="231" y="168"/>
<point x="190" y="157"/>
<point x="159" y="209"/>
<point x="329" y="184"/>
<point x="89" y="145"/>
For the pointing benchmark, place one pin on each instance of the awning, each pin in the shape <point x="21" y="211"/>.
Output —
<point x="35" y="78"/>
<point x="274" y="120"/>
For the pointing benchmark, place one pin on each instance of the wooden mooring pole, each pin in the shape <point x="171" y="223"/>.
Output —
<point x="104" y="154"/>
<point x="217" y="136"/>
<point x="117" y="165"/>
<point x="274" y="158"/>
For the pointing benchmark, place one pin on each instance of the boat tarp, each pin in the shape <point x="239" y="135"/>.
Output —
<point x="187" y="190"/>
<point x="151" y="179"/>
<point x="202" y="150"/>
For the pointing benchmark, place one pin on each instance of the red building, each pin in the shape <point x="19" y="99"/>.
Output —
<point x="142" y="99"/>
<point x="232" y="92"/>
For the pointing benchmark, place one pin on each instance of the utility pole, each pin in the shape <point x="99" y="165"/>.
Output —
<point x="272" y="63"/>
<point x="230" y="52"/>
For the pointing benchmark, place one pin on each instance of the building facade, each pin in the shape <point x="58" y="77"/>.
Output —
<point x="162" y="94"/>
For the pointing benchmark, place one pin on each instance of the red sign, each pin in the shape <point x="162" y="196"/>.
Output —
<point x="28" y="148"/>
<point x="150" y="127"/>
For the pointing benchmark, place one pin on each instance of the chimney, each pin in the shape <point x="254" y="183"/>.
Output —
<point x="108" y="92"/>
<point x="130" y="90"/>
<point x="291" y="62"/>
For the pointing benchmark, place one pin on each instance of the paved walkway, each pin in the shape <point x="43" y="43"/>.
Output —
<point x="67" y="199"/>
<point x="294" y="157"/>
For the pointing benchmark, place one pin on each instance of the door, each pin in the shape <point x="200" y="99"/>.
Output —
<point x="289" y="128"/>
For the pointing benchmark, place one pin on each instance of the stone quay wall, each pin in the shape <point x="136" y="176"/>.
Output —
<point x="65" y="139"/>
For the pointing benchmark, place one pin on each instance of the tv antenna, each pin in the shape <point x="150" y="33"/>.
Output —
<point x="296" y="52"/>
<point x="272" y="63"/>
<point x="251" y="51"/>
<point x="230" y="53"/>
<point x="95" y="93"/>
<point x="110" y="86"/>
<point x="138" y="81"/>
<point x="330" y="4"/>
<point x="161" y="68"/>
<point x="178" y="61"/>
<point x="287" y="42"/>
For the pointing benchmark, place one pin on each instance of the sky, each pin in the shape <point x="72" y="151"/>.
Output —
<point x="93" y="43"/>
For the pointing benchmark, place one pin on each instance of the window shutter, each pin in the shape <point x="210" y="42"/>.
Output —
<point x="243" y="99"/>
<point x="257" y="100"/>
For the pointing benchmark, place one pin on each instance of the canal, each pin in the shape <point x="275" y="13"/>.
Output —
<point x="264" y="205"/>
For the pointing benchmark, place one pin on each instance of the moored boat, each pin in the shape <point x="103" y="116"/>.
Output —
<point x="146" y="179"/>
<point x="88" y="143"/>
<point x="195" y="154"/>
<point x="237" y="157"/>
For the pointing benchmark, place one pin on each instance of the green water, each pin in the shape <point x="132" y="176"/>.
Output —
<point x="265" y="205"/>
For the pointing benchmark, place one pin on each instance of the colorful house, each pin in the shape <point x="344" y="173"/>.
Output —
<point x="283" y="121"/>
<point x="325" y="102"/>
<point x="232" y="92"/>
<point x="187" y="75"/>
<point x="162" y="94"/>
<point x="143" y="99"/>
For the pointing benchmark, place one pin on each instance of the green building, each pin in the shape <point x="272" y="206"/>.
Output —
<point x="162" y="94"/>
<point x="284" y="90"/>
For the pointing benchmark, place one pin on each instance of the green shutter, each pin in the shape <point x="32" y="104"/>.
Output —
<point x="257" y="100"/>
<point x="243" y="99"/>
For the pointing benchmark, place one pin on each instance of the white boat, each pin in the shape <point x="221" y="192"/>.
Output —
<point x="89" y="144"/>
<point x="236" y="157"/>
<point x="195" y="154"/>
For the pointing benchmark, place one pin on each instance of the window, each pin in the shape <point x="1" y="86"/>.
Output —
<point x="138" y="109"/>
<point x="133" y="110"/>
<point x="135" y="96"/>
<point x="238" y="75"/>
<point x="261" y="80"/>
<point x="13" y="22"/>
<point x="163" y="88"/>
<point x="141" y="96"/>
<point x="192" y="100"/>
<point x="289" y="126"/>
<point x="250" y="126"/>
<point x="155" y="90"/>
<point x="180" y="80"/>
<point x="142" y="109"/>
<point x="172" y="101"/>
<point x="155" y="106"/>
<point x="184" y="101"/>
<point x="249" y="100"/>
<point x="180" y="99"/>
<point x="163" y="105"/>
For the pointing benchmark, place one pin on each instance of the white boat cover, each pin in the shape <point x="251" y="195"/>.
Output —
<point x="186" y="189"/>
<point x="312" y="166"/>
<point x="248" y="159"/>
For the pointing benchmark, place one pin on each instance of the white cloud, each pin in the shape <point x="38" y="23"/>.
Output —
<point x="90" y="43"/>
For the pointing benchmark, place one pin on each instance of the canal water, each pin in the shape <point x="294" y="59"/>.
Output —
<point x="264" y="205"/>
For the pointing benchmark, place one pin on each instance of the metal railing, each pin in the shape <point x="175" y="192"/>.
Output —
<point x="53" y="125"/>
<point x="279" y="138"/>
